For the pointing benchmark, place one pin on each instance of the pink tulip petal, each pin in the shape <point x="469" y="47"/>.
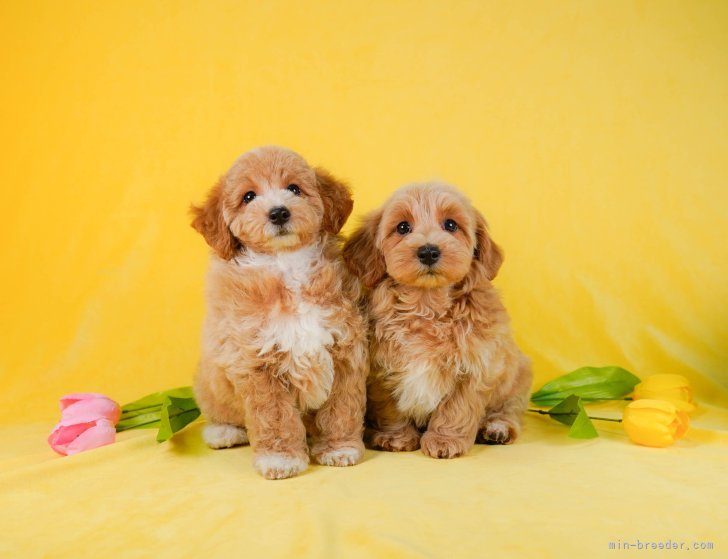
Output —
<point x="62" y="435"/>
<point x="69" y="399"/>
<point x="59" y="449"/>
<point x="65" y="434"/>
<point x="91" y="409"/>
<point x="101" y="434"/>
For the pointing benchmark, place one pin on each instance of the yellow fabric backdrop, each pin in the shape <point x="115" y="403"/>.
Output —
<point x="591" y="134"/>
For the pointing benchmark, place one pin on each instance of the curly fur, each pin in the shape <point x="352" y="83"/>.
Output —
<point x="443" y="360"/>
<point x="284" y="342"/>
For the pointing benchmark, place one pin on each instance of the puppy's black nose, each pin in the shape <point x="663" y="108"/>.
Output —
<point x="428" y="254"/>
<point x="279" y="215"/>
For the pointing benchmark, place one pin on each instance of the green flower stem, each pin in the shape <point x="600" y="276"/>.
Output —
<point x="543" y="412"/>
<point x="139" y="411"/>
<point x="137" y="426"/>
<point x="153" y="421"/>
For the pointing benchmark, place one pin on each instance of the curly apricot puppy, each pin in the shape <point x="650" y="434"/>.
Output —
<point x="442" y="355"/>
<point x="284" y="343"/>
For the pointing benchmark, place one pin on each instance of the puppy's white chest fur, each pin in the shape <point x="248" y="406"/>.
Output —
<point x="419" y="389"/>
<point x="300" y="333"/>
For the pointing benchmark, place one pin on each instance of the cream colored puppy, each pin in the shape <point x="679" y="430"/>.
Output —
<point x="284" y="343"/>
<point x="443" y="360"/>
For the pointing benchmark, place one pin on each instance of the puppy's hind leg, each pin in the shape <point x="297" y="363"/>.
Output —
<point x="222" y="408"/>
<point x="502" y="421"/>
<point x="223" y="435"/>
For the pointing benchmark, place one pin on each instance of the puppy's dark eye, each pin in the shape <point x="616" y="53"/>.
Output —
<point x="403" y="228"/>
<point x="450" y="225"/>
<point x="249" y="197"/>
<point x="294" y="188"/>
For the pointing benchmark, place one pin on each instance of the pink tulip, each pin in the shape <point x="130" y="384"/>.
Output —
<point x="87" y="421"/>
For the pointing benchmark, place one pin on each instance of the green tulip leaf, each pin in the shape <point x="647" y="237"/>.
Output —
<point x="169" y="410"/>
<point x="157" y="399"/>
<point x="591" y="384"/>
<point x="582" y="428"/>
<point x="566" y="411"/>
<point x="571" y="412"/>
<point x="176" y="414"/>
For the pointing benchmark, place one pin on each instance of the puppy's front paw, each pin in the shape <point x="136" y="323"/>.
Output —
<point x="220" y="435"/>
<point x="499" y="431"/>
<point x="279" y="466"/>
<point x="439" y="446"/>
<point x="343" y="456"/>
<point x="403" y="440"/>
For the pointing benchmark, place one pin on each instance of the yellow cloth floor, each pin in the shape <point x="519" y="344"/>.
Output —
<point x="546" y="496"/>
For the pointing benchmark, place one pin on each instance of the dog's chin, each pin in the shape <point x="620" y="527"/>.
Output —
<point x="430" y="280"/>
<point x="284" y="241"/>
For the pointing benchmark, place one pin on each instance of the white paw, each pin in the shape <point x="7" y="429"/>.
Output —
<point x="344" y="456"/>
<point x="278" y="466"/>
<point x="498" y="432"/>
<point x="221" y="435"/>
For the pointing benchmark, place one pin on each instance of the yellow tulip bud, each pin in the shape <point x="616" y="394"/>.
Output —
<point x="669" y="388"/>
<point x="654" y="422"/>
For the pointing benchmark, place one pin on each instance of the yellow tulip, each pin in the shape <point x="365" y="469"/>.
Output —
<point x="669" y="388"/>
<point x="654" y="422"/>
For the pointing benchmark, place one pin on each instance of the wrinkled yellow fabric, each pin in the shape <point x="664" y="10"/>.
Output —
<point x="591" y="135"/>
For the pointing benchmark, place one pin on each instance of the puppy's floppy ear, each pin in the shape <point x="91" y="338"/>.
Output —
<point x="361" y="254"/>
<point x="336" y="198"/>
<point x="210" y="223"/>
<point x="486" y="251"/>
